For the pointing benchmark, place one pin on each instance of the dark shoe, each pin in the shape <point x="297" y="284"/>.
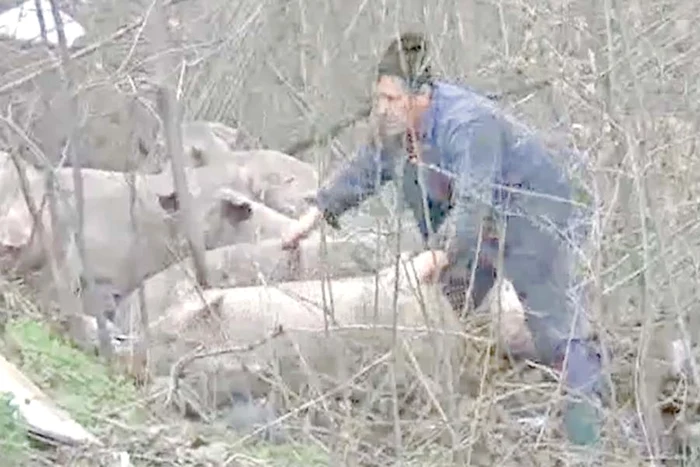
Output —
<point x="583" y="378"/>
<point x="582" y="421"/>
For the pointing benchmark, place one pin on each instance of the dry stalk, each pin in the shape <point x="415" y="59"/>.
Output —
<point x="65" y="298"/>
<point x="53" y="64"/>
<point x="130" y="176"/>
<point x="334" y="130"/>
<point x="177" y="370"/>
<point x="170" y="115"/>
<point x="325" y="396"/>
<point x="89" y="303"/>
<point x="647" y="380"/>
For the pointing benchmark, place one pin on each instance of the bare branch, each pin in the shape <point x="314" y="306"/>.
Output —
<point x="170" y="115"/>
<point x="87" y="275"/>
<point x="178" y="368"/>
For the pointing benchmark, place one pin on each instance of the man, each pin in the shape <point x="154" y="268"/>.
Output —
<point x="464" y="165"/>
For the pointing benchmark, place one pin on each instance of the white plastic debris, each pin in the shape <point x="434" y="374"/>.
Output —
<point x="21" y="23"/>
<point x="680" y="360"/>
<point x="43" y="417"/>
<point x="37" y="410"/>
<point x="121" y="459"/>
<point x="534" y="422"/>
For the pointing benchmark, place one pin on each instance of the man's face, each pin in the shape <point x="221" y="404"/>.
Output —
<point x="393" y="105"/>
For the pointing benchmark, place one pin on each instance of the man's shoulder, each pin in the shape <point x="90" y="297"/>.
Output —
<point x="458" y="104"/>
<point x="457" y="94"/>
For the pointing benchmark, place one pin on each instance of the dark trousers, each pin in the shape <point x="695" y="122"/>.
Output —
<point x="455" y="284"/>
<point x="539" y="265"/>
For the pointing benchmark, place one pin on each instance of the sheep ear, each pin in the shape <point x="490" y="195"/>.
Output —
<point x="214" y="308"/>
<point x="170" y="203"/>
<point x="309" y="197"/>
<point x="9" y="252"/>
<point x="197" y="156"/>
<point x="236" y="211"/>
<point x="143" y="148"/>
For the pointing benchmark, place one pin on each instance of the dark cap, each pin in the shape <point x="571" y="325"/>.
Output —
<point x="407" y="58"/>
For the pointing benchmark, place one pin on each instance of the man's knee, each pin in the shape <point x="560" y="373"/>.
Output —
<point x="581" y="364"/>
<point x="551" y="317"/>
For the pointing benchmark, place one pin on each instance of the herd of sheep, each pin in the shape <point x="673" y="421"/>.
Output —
<point x="244" y="200"/>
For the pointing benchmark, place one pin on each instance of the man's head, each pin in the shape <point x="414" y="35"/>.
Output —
<point x="403" y="83"/>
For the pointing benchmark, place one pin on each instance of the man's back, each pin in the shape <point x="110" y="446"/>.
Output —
<point x="525" y="163"/>
<point x="525" y="153"/>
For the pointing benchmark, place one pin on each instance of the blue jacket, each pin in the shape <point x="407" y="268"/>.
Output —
<point x="476" y="161"/>
<point x="473" y="156"/>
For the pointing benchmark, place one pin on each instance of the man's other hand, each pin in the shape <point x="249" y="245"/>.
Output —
<point x="301" y="228"/>
<point x="429" y="264"/>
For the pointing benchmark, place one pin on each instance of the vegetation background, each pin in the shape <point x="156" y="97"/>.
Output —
<point x="615" y="80"/>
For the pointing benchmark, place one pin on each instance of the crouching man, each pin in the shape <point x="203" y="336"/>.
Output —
<point x="462" y="163"/>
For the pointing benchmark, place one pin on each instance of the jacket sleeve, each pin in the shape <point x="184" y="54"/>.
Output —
<point x="475" y="147"/>
<point x="356" y="181"/>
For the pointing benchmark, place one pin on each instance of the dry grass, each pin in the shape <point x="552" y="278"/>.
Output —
<point x="622" y="90"/>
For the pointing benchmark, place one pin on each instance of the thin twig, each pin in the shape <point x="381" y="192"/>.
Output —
<point x="178" y="368"/>
<point x="169" y="110"/>
<point x="340" y="387"/>
<point x="54" y="64"/>
<point x="365" y="110"/>
<point x="88" y="282"/>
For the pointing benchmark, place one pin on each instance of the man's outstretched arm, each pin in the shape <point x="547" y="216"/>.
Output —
<point x="357" y="180"/>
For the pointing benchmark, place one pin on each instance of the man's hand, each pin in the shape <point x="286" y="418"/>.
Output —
<point x="301" y="228"/>
<point x="429" y="264"/>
